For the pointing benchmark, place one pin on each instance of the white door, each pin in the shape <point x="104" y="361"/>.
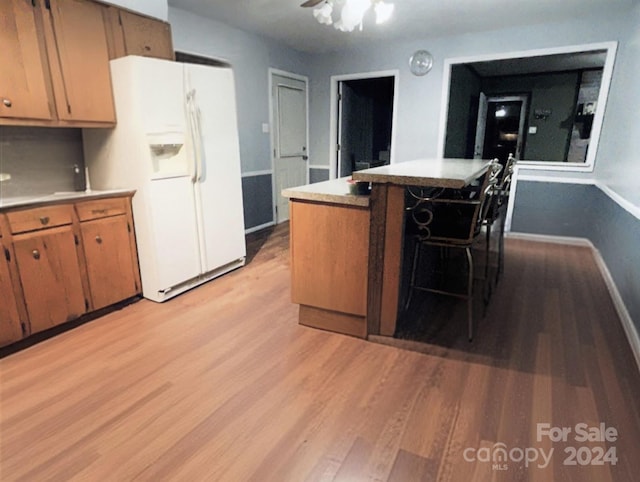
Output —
<point x="480" y="126"/>
<point x="289" y="101"/>
<point x="218" y="187"/>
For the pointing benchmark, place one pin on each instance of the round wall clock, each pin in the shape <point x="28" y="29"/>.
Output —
<point x="421" y="62"/>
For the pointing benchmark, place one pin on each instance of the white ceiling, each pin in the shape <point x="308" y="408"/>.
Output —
<point x="285" y="21"/>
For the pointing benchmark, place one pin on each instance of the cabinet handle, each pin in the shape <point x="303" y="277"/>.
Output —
<point x="36" y="254"/>
<point x="7" y="102"/>
<point x="44" y="220"/>
<point x="98" y="211"/>
<point x="98" y="239"/>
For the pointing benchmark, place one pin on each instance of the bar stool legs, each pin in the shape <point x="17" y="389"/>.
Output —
<point x="470" y="293"/>
<point x="469" y="289"/>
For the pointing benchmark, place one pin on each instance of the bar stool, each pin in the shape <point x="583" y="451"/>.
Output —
<point x="450" y="222"/>
<point x="503" y="189"/>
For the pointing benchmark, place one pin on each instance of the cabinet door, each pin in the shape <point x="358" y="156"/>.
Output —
<point x="10" y="327"/>
<point x="24" y="71"/>
<point x="79" y="61"/>
<point x="113" y="28"/>
<point x="146" y="36"/>
<point x="110" y="262"/>
<point x="50" y="276"/>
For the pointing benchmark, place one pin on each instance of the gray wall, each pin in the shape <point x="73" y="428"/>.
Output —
<point x="584" y="211"/>
<point x="555" y="92"/>
<point x="420" y="98"/>
<point x="463" y="112"/>
<point x="40" y="160"/>
<point x="318" y="175"/>
<point x="618" y="161"/>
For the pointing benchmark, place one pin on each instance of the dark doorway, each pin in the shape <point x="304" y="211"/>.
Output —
<point x="501" y="126"/>
<point x="365" y="121"/>
<point x="502" y="129"/>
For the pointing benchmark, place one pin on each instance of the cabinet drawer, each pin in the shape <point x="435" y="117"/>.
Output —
<point x="39" y="218"/>
<point x="101" y="208"/>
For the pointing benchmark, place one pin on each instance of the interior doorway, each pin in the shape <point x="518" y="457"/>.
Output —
<point x="500" y="130"/>
<point x="289" y="139"/>
<point x="363" y="121"/>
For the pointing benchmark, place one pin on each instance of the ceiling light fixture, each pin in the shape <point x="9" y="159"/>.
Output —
<point x="349" y="13"/>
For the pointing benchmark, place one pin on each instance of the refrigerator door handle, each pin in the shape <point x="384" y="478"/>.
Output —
<point x="192" y="132"/>
<point x="200" y="157"/>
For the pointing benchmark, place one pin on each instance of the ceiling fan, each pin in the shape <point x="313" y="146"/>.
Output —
<point x="351" y="12"/>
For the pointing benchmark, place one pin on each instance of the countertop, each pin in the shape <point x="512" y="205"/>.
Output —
<point x="58" y="197"/>
<point x="335" y="191"/>
<point x="448" y="173"/>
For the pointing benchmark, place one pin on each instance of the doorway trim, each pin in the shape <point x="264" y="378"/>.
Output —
<point x="333" y="116"/>
<point x="272" y="141"/>
<point x="522" y="121"/>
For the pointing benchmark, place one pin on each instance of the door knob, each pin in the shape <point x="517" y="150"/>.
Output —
<point x="36" y="254"/>
<point x="44" y="220"/>
<point x="98" y="239"/>
<point x="7" y="102"/>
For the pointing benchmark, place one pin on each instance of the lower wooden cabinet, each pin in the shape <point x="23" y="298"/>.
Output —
<point x="50" y="277"/>
<point x="111" y="265"/>
<point x="10" y="325"/>
<point x="69" y="259"/>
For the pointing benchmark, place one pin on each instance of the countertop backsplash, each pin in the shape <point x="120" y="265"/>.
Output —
<point x="40" y="160"/>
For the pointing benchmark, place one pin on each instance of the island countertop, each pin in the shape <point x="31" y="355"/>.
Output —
<point x="335" y="191"/>
<point x="447" y="173"/>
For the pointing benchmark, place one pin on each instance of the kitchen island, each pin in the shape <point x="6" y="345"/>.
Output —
<point x="346" y="250"/>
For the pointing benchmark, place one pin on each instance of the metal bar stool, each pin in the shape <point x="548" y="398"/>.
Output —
<point x="450" y="222"/>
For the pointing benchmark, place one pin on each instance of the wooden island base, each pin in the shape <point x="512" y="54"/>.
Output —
<point x="329" y="265"/>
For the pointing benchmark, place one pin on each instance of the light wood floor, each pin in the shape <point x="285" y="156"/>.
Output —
<point x="222" y="384"/>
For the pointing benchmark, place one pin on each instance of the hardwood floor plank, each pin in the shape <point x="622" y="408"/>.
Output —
<point x="221" y="383"/>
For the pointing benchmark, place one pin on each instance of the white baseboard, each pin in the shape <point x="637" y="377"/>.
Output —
<point x="547" y="238"/>
<point x="258" y="228"/>
<point x="625" y="319"/>
<point x="627" y="323"/>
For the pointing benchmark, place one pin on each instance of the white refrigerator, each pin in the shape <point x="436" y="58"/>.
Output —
<point x="176" y="144"/>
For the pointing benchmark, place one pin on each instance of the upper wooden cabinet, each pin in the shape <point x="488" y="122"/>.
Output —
<point x="54" y="59"/>
<point x="131" y="34"/>
<point x="54" y="64"/>
<point x="79" y="60"/>
<point x="24" y="71"/>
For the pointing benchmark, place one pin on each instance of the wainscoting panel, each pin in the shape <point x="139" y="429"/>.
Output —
<point x="257" y="197"/>
<point x="585" y="211"/>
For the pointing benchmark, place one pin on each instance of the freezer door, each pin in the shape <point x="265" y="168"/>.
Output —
<point x="160" y="85"/>
<point x="218" y="186"/>
<point x="175" y="234"/>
